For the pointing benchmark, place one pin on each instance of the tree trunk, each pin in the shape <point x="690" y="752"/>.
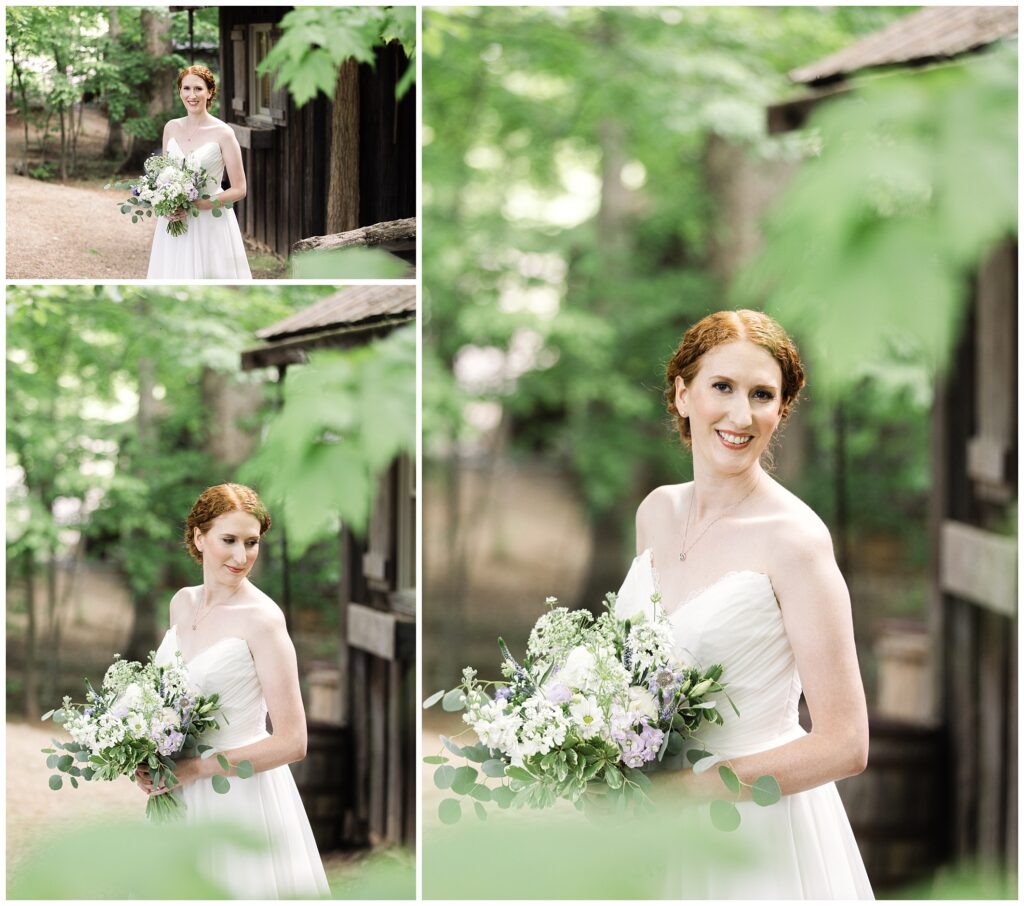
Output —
<point x="31" y="642"/>
<point x="156" y="30"/>
<point x="143" y="602"/>
<point x="16" y="67"/>
<point x="343" y="192"/>
<point x="63" y="144"/>
<point x="114" y="148"/>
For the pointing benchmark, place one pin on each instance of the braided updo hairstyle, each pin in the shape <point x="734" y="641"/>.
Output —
<point x="725" y="327"/>
<point x="205" y="75"/>
<point x="214" y="502"/>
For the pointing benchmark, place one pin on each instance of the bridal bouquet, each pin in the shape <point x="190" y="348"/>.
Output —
<point x="142" y="714"/>
<point x="167" y="187"/>
<point x="593" y="705"/>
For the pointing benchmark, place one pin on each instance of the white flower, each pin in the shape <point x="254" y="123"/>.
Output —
<point x="136" y="724"/>
<point x="495" y="726"/>
<point x="587" y="716"/>
<point x="131" y="698"/>
<point x="641" y="703"/>
<point x="167" y="176"/>
<point x="578" y="670"/>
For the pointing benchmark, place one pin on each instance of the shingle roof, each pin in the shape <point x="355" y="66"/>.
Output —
<point x="349" y="306"/>
<point x="931" y="33"/>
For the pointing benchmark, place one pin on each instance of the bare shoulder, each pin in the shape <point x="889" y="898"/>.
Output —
<point x="222" y="130"/>
<point x="797" y="532"/>
<point x="181" y="602"/>
<point x="263" y="616"/>
<point x="661" y="502"/>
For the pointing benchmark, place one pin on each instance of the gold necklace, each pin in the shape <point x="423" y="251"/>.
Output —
<point x="684" y="550"/>
<point x="196" y="619"/>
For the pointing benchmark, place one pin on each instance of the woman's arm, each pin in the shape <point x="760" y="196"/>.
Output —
<point x="232" y="153"/>
<point x="816" y="612"/>
<point x="167" y="137"/>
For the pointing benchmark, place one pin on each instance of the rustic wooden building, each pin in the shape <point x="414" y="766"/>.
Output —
<point x="945" y="790"/>
<point x="287" y="150"/>
<point x="359" y="776"/>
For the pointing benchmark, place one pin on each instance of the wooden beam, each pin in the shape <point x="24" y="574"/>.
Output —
<point x="253" y="136"/>
<point x="387" y="635"/>
<point x="979" y="566"/>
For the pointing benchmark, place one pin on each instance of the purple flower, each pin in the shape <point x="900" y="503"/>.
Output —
<point x="136" y="190"/>
<point x="87" y="712"/>
<point x="193" y="193"/>
<point x="559" y="693"/>
<point x="503" y="694"/>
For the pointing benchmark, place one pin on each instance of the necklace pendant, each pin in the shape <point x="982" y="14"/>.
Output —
<point x="682" y="556"/>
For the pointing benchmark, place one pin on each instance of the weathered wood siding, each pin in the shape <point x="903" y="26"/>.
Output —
<point x="286" y="161"/>
<point x="975" y="483"/>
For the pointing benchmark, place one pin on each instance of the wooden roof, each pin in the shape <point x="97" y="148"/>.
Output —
<point x="932" y="33"/>
<point x="349" y="317"/>
<point x="347" y="307"/>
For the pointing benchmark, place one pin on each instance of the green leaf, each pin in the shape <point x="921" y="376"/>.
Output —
<point x="695" y="755"/>
<point x="244" y="769"/>
<point x="518" y="773"/>
<point x="729" y="778"/>
<point x="48" y="714"/>
<point x="480" y="792"/>
<point x="74" y="782"/>
<point x="217" y="212"/>
<point x="452" y="747"/>
<point x="88" y="773"/>
<point x="464" y="780"/>
<point x="724" y="815"/>
<point x="502" y="796"/>
<point x="444" y="776"/>
<point x="481" y="812"/>
<point x="220" y="783"/>
<point x="56" y="781"/>
<point x="51" y="761"/>
<point x="449" y="811"/>
<point x="612" y="776"/>
<point x="493" y="767"/>
<point x="434" y="699"/>
<point x="455" y="700"/>
<point x="223" y="762"/>
<point x="435" y="759"/>
<point x="675" y="743"/>
<point x="705" y="764"/>
<point x="65" y="762"/>
<point x="478" y="753"/>
<point x="765" y="790"/>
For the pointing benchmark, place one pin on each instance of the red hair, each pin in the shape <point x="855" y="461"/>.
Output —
<point x="725" y="327"/>
<point x="216" y="501"/>
<point x="206" y="76"/>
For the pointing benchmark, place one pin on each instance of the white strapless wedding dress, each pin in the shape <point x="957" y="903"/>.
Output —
<point x="804" y="845"/>
<point x="212" y="249"/>
<point x="266" y="805"/>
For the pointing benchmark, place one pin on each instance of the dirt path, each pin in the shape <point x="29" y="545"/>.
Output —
<point x="68" y="231"/>
<point x="74" y="230"/>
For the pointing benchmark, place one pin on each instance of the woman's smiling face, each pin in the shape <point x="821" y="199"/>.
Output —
<point x="194" y="93"/>
<point x="733" y="404"/>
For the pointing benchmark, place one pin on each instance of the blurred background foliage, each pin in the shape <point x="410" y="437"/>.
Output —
<point x="123" y="403"/>
<point x="580" y="220"/>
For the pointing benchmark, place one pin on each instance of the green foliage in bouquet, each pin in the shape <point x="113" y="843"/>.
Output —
<point x="142" y="715"/>
<point x="633" y="705"/>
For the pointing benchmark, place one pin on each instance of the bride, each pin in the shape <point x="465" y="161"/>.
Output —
<point x="212" y="248"/>
<point x="748" y="578"/>
<point x="234" y="642"/>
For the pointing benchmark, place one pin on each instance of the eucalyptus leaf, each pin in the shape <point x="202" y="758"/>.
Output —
<point x="765" y="790"/>
<point x="244" y="769"/>
<point x="493" y="767"/>
<point x="452" y="747"/>
<point x="449" y="811"/>
<point x="220" y="783"/>
<point x="435" y="759"/>
<point x="481" y="812"/>
<point x="519" y="773"/>
<point x="56" y="781"/>
<point x="464" y="780"/>
<point x="724" y="815"/>
<point x="454" y="700"/>
<point x="706" y="764"/>
<point x="729" y="778"/>
<point x="434" y="699"/>
<point x="223" y="762"/>
<point x="444" y="776"/>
